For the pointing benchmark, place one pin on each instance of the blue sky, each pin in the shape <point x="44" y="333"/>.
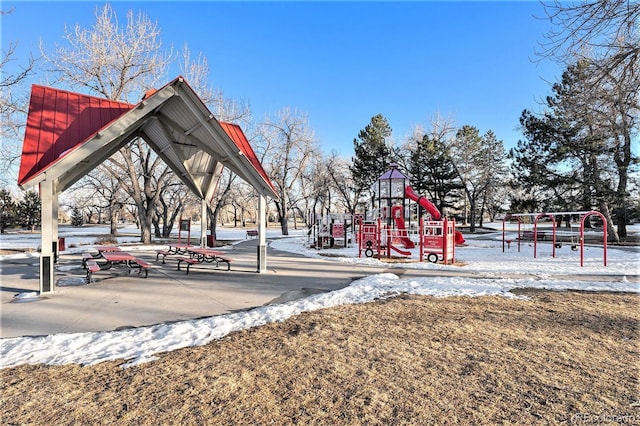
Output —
<point x="344" y="62"/>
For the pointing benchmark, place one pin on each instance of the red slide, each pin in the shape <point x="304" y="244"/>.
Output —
<point x="431" y="208"/>
<point x="396" y="213"/>
<point x="423" y="201"/>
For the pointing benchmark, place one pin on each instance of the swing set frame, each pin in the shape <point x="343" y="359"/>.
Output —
<point x="583" y="216"/>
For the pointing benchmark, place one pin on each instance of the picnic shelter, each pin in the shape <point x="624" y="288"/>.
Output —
<point x="69" y="134"/>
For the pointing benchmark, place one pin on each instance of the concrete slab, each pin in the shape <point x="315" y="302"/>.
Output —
<point x="116" y="299"/>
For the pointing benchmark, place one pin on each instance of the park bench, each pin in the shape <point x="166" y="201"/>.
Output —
<point x="225" y="260"/>
<point x="140" y="265"/>
<point x="528" y="235"/>
<point x="91" y="266"/>
<point x="188" y="260"/>
<point x="253" y="233"/>
<point x="87" y="257"/>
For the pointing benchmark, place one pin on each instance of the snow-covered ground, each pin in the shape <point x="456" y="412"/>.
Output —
<point x="496" y="273"/>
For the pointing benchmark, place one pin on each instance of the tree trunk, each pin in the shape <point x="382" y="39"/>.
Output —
<point x="156" y="227"/>
<point x="621" y="191"/>
<point x="113" y="219"/>
<point x="168" y="225"/>
<point x="282" y="217"/>
<point x="213" y="220"/>
<point x="284" y="225"/>
<point x="145" y="218"/>
<point x="621" y="218"/>
<point x="282" y="214"/>
<point x="612" y="235"/>
<point x="472" y="209"/>
<point x="472" y="216"/>
<point x="143" y="197"/>
<point x="235" y="216"/>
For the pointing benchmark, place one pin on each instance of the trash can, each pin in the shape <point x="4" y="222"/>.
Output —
<point x="61" y="246"/>
<point x="211" y="241"/>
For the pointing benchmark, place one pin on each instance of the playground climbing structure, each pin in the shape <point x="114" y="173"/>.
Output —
<point x="388" y="234"/>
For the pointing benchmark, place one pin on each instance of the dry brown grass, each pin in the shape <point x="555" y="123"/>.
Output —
<point x="407" y="360"/>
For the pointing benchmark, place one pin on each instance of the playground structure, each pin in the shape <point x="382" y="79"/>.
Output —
<point x="330" y="230"/>
<point x="384" y="231"/>
<point x="436" y="240"/>
<point x="388" y="233"/>
<point x="540" y="233"/>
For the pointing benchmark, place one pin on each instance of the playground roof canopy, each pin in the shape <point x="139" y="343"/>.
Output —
<point x="69" y="134"/>
<point x="393" y="173"/>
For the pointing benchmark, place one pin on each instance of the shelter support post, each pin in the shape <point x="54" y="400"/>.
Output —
<point x="47" y="243"/>
<point x="203" y="223"/>
<point x="262" y="232"/>
<point x="54" y="228"/>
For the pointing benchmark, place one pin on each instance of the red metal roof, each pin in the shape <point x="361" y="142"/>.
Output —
<point x="59" y="121"/>
<point x="238" y="137"/>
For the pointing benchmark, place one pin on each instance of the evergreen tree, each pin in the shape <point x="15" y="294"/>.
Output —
<point x="492" y="160"/>
<point x="29" y="210"/>
<point x="572" y="152"/>
<point x="8" y="210"/>
<point x="76" y="217"/>
<point x="433" y="174"/>
<point x="372" y="154"/>
<point x="530" y="180"/>
<point x="479" y="163"/>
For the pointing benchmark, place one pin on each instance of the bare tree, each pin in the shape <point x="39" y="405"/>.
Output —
<point x="122" y="62"/>
<point x="314" y="191"/>
<point x="173" y="196"/>
<point x="95" y="195"/>
<point x="111" y="194"/>
<point x="342" y="184"/>
<point x="604" y="37"/>
<point x="243" y="199"/>
<point x="605" y="31"/>
<point x="14" y="104"/>
<point x="291" y="145"/>
<point x="225" y="192"/>
<point x="117" y="62"/>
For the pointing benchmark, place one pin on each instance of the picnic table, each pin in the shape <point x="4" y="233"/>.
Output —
<point x="117" y="257"/>
<point x="106" y="249"/>
<point x="89" y="256"/>
<point x="180" y="248"/>
<point x="204" y="255"/>
<point x="113" y="258"/>
<point x="173" y="249"/>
